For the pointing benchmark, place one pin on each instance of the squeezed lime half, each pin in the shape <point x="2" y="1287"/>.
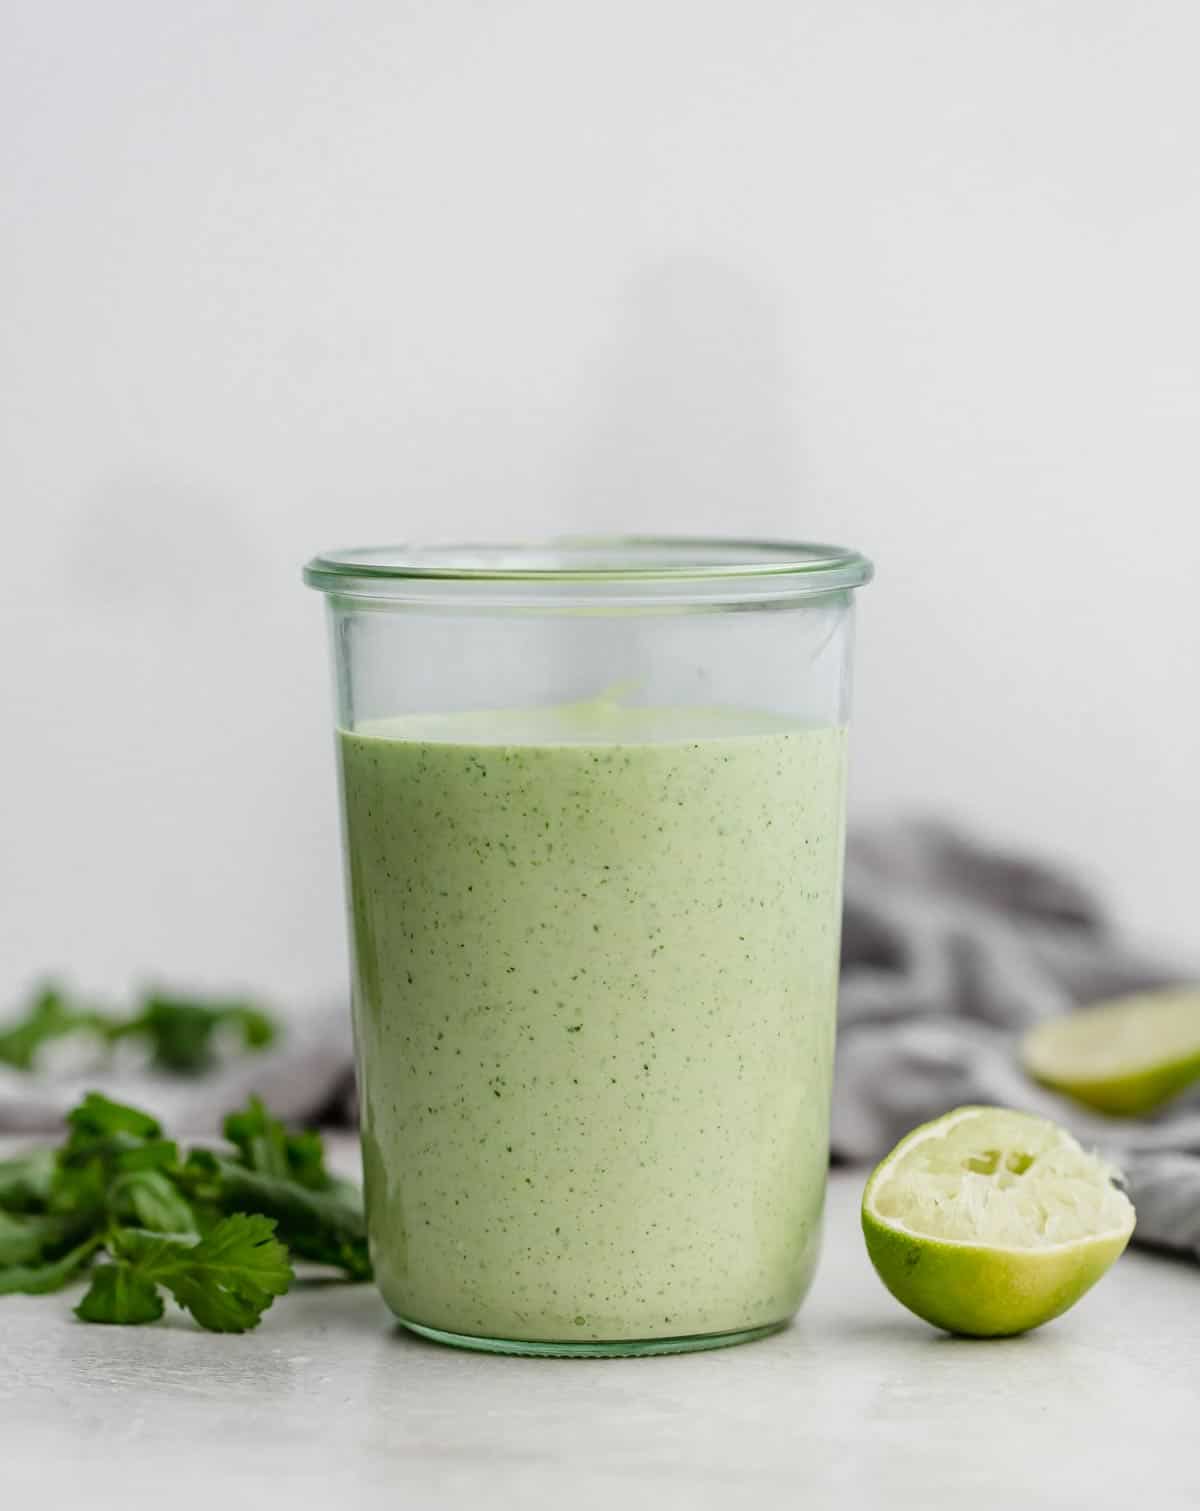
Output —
<point x="990" y="1222"/>
<point x="1125" y="1057"/>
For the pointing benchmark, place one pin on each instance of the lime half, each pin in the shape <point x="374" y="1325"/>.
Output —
<point x="1125" y="1057"/>
<point x="990" y="1222"/>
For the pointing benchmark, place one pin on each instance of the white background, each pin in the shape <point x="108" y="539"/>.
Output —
<point x="284" y="274"/>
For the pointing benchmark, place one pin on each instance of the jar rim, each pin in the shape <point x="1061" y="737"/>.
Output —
<point x="646" y="564"/>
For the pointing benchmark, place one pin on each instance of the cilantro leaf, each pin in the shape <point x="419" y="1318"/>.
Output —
<point x="325" y="1227"/>
<point x="97" y="1117"/>
<point x="128" y="1154"/>
<point x="48" y="1017"/>
<point x="259" y="1138"/>
<point x="107" y="1140"/>
<point x="180" y="1031"/>
<point x="267" y="1146"/>
<point x="25" y="1181"/>
<point x="39" y="1279"/>
<point x="213" y="1231"/>
<point x="226" y="1280"/>
<point x="306" y="1160"/>
<point x="119" y="1294"/>
<point x="150" y="1200"/>
<point x="26" y="1238"/>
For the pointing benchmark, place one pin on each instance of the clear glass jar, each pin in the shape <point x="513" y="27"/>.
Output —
<point x="593" y="809"/>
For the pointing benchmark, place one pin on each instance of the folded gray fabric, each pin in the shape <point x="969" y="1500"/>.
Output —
<point x="950" y="950"/>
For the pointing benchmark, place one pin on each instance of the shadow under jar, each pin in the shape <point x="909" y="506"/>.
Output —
<point x="593" y="800"/>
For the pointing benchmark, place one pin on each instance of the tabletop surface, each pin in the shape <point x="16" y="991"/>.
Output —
<point x="858" y="1403"/>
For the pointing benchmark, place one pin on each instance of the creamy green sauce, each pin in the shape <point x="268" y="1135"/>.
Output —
<point x="595" y="968"/>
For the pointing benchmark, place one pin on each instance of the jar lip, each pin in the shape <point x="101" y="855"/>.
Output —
<point x="643" y="562"/>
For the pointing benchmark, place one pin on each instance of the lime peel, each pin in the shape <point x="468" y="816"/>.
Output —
<point x="990" y="1222"/>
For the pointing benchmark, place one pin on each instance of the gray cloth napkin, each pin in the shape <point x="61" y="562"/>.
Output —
<point x="950" y="950"/>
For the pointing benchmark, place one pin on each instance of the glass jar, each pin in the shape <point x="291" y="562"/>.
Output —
<point x="593" y="801"/>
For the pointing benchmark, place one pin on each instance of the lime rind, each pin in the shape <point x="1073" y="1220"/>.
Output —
<point x="989" y="1222"/>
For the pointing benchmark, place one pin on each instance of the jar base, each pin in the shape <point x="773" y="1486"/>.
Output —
<point x="624" y="1348"/>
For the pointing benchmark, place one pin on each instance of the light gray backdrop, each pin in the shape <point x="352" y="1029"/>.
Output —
<point x="280" y="274"/>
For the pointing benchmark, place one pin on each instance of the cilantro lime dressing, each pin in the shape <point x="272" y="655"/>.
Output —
<point x="595" y="965"/>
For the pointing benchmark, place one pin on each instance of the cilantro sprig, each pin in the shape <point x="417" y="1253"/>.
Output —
<point x="226" y="1279"/>
<point x="180" y="1033"/>
<point x="217" y="1231"/>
